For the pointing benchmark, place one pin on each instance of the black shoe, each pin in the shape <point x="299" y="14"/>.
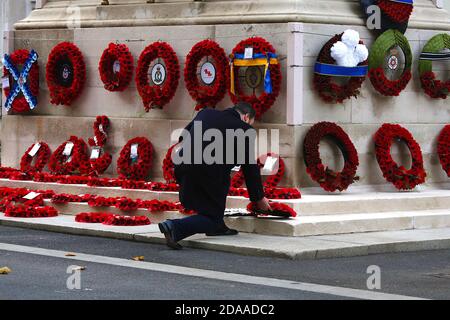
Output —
<point x="226" y="232"/>
<point x="167" y="231"/>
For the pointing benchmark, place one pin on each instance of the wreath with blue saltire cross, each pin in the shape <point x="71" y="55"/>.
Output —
<point x="22" y="95"/>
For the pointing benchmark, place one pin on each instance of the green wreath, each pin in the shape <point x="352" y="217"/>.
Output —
<point x="431" y="51"/>
<point x="384" y="46"/>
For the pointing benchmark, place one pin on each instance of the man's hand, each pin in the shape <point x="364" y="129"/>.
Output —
<point x="263" y="205"/>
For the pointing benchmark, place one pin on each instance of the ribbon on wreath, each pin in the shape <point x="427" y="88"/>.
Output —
<point x="430" y="56"/>
<point x="404" y="1"/>
<point x="258" y="59"/>
<point x="340" y="71"/>
<point x="20" y="84"/>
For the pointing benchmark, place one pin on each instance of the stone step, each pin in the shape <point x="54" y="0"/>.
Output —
<point x="313" y="202"/>
<point x="355" y="201"/>
<point x="75" y="208"/>
<point x="344" y="223"/>
<point x="232" y="202"/>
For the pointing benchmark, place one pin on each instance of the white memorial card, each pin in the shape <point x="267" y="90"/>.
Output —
<point x="5" y="82"/>
<point x="248" y="54"/>
<point x="270" y="166"/>
<point x="134" y="151"/>
<point x="237" y="168"/>
<point x="34" y="150"/>
<point x="68" y="149"/>
<point x="95" y="153"/>
<point x="31" y="195"/>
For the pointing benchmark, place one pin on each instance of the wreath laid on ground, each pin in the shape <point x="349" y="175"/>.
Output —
<point x="157" y="86"/>
<point x="433" y="51"/>
<point x="23" y="90"/>
<point x="99" y="160"/>
<point x="395" y="14"/>
<point x="384" y="52"/>
<point x="443" y="149"/>
<point x="168" y="166"/>
<point x="136" y="168"/>
<point x="116" y="67"/>
<point x="276" y="206"/>
<point x="328" y="179"/>
<point x="77" y="161"/>
<point x="207" y="84"/>
<point x="91" y="217"/>
<point x="117" y="220"/>
<point x="344" y="55"/>
<point x="15" y="205"/>
<point x="65" y="73"/>
<point x="37" y="152"/>
<point x="402" y="178"/>
<point x="263" y="54"/>
<point x="272" y="181"/>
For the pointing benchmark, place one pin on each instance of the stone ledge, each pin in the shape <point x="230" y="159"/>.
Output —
<point x="316" y="247"/>
<point x="92" y="14"/>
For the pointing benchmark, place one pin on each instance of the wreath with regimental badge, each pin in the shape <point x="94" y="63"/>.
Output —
<point x="390" y="51"/>
<point x="206" y="74"/>
<point x="344" y="55"/>
<point x="23" y="86"/>
<point x="250" y="56"/>
<point x="401" y="177"/>
<point x="65" y="73"/>
<point x="116" y="67"/>
<point x="327" y="178"/>
<point x="157" y="75"/>
<point x="437" y="49"/>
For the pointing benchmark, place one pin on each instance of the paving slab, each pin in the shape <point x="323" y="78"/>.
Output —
<point x="312" y="247"/>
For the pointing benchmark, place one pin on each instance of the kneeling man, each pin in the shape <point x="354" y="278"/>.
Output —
<point x="205" y="181"/>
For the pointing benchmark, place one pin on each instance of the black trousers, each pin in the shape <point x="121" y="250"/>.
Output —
<point x="203" y="189"/>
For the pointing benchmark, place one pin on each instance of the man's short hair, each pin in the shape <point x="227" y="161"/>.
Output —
<point x="245" y="108"/>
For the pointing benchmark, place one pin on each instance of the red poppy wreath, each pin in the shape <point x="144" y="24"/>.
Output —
<point x="443" y="149"/>
<point x="22" y="103"/>
<point x="69" y="160"/>
<point x="276" y="206"/>
<point x="99" y="160"/>
<point x="157" y="75"/>
<point x="327" y="178"/>
<point x="335" y="60"/>
<point x="37" y="152"/>
<point x="168" y="166"/>
<point x="65" y="73"/>
<point x="263" y="55"/>
<point x="402" y="178"/>
<point x="135" y="160"/>
<point x="207" y="83"/>
<point x="116" y="67"/>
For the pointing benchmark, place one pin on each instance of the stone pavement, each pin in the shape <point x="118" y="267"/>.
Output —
<point x="311" y="247"/>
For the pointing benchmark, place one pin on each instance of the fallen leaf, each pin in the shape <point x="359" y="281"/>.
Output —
<point x="5" y="270"/>
<point x="138" y="258"/>
<point x="70" y="254"/>
<point x="79" y="268"/>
